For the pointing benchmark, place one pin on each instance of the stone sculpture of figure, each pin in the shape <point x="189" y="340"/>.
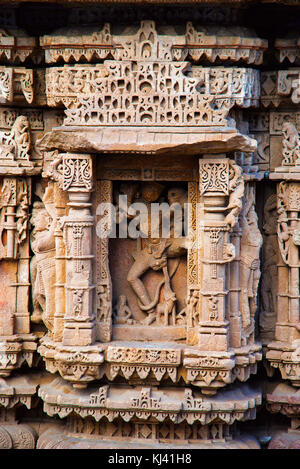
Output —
<point x="251" y="243"/>
<point x="267" y="317"/>
<point x="42" y="266"/>
<point x="155" y="254"/>
<point x="235" y="197"/>
<point x="16" y="143"/>
<point x="192" y="312"/>
<point x="123" y="312"/>
<point x="290" y="144"/>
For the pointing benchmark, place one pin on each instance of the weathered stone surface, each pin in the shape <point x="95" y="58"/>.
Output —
<point x="138" y="140"/>
<point x="149" y="224"/>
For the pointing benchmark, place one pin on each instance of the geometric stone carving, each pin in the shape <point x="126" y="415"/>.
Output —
<point x="127" y="92"/>
<point x="194" y="44"/>
<point x="16" y="82"/>
<point x="148" y="341"/>
<point x="178" y="405"/>
<point x="288" y="49"/>
<point x="280" y="86"/>
<point x="210" y="100"/>
<point x="16" y="48"/>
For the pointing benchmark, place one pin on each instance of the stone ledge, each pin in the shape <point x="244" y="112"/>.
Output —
<point x="157" y="140"/>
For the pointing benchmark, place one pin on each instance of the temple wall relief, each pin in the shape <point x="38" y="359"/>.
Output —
<point x="149" y="229"/>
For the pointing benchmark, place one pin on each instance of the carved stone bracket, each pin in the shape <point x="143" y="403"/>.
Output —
<point x="280" y="86"/>
<point x="78" y="365"/>
<point x="14" y="49"/>
<point x="15" y="350"/>
<point x="288" y="48"/>
<point x="16" y="82"/>
<point x="16" y="392"/>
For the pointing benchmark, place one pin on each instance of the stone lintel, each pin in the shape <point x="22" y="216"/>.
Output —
<point x="155" y="140"/>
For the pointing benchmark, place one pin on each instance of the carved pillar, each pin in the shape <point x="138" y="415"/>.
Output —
<point x="214" y="188"/>
<point x="288" y="270"/>
<point x="234" y="292"/>
<point x="60" y="198"/>
<point x="193" y="273"/>
<point x="74" y="174"/>
<point x="15" y="201"/>
<point x="104" y="195"/>
<point x="22" y="315"/>
<point x="10" y="190"/>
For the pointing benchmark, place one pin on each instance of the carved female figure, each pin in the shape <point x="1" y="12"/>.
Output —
<point x="155" y="254"/>
<point x="251" y="243"/>
<point x="42" y="266"/>
<point x="269" y="269"/>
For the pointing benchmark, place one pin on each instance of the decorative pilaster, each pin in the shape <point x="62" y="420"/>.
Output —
<point x="74" y="174"/>
<point x="72" y="348"/>
<point x="222" y="280"/>
<point x="17" y="345"/>
<point x="214" y="187"/>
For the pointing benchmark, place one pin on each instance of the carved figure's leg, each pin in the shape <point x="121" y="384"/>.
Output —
<point x="37" y="300"/>
<point x="253" y="299"/>
<point x="244" y="283"/>
<point x="140" y="266"/>
<point x="48" y="275"/>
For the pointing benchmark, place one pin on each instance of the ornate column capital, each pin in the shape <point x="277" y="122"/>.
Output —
<point x="73" y="172"/>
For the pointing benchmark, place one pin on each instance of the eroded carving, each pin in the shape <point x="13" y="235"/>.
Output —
<point x="42" y="266"/>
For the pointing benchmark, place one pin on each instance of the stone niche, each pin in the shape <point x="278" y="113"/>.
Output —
<point x="149" y="229"/>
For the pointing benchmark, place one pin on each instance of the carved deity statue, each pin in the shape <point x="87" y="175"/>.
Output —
<point x="123" y="313"/>
<point x="15" y="144"/>
<point x="267" y="317"/>
<point x="42" y="266"/>
<point x="290" y="144"/>
<point x="154" y="252"/>
<point x="251" y="243"/>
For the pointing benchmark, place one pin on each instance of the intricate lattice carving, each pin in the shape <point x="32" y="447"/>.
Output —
<point x="144" y="85"/>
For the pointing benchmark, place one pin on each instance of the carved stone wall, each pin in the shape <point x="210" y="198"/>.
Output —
<point x="149" y="226"/>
